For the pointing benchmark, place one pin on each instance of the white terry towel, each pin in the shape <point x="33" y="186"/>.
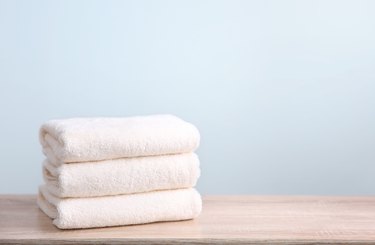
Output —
<point x="74" y="213"/>
<point x="94" y="139"/>
<point x="122" y="176"/>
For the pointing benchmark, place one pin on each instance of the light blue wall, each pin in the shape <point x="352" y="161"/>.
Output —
<point x="282" y="91"/>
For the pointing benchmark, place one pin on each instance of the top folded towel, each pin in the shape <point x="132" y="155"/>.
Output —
<point x="94" y="139"/>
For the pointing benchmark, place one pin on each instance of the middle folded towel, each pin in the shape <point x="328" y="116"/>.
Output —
<point x="121" y="176"/>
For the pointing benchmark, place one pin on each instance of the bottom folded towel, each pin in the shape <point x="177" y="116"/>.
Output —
<point x="75" y="213"/>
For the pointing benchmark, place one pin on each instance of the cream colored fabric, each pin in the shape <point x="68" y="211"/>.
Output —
<point x="73" y="213"/>
<point x="94" y="139"/>
<point x="122" y="176"/>
<point x="101" y="172"/>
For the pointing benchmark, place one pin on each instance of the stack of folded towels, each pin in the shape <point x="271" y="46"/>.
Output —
<point x="102" y="172"/>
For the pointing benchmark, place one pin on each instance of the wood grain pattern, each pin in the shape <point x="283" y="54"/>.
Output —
<point x="225" y="219"/>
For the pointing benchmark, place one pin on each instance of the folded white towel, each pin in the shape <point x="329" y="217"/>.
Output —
<point x="74" y="213"/>
<point x="93" y="139"/>
<point x="122" y="176"/>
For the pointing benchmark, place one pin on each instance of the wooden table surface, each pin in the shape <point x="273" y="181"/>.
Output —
<point x="225" y="219"/>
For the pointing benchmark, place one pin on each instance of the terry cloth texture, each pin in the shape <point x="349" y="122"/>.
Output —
<point x="101" y="172"/>
<point x="73" y="213"/>
<point x="122" y="176"/>
<point x="95" y="139"/>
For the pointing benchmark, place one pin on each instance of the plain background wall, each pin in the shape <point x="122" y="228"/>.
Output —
<point x="283" y="92"/>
